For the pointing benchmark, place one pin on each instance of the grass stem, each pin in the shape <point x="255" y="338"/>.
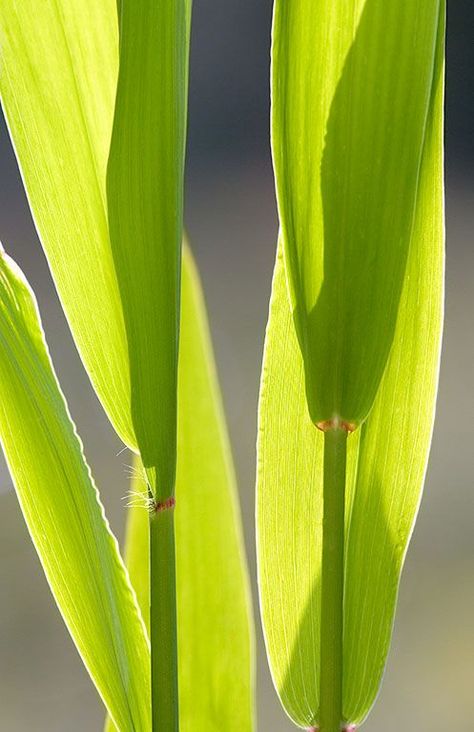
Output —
<point x="332" y="582"/>
<point x="163" y="627"/>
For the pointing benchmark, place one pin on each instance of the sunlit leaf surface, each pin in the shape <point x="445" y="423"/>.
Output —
<point x="387" y="461"/>
<point x="145" y="214"/>
<point x="57" y="83"/>
<point x="61" y="126"/>
<point x="351" y="84"/>
<point x="214" y="615"/>
<point x="64" y="516"/>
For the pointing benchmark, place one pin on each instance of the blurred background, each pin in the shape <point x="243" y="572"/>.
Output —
<point x="231" y="218"/>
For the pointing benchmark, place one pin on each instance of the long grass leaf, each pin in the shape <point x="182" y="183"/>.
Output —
<point x="145" y="179"/>
<point x="57" y="83"/>
<point x="64" y="516"/>
<point x="145" y="210"/>
<point x="136" y="553"/>
<point x="351" y="85"/>
<point x="214" y="614"/>
<point x="386" y="466"/>
<point x="61" y="126"/>
<point x="395" y="441"/>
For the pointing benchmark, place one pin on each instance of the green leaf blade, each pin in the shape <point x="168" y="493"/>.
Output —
<point x="119" y="296"/>
<point x="65" y="518"/>
<point x="145" y="210"/>
<point x="350" y="95"/>
<point x="387" y="460"/>
<point x="289" y="515"/>
<point x="395" y="441"/>
<point x="59" y="70"/>
<point x="214" y="613"/>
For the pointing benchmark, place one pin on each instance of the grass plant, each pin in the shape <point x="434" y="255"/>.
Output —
<point x="353" y="340"/>
<point x="95" y="100"/>
<point x="95" y="97"/>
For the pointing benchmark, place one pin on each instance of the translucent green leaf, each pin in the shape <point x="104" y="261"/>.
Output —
<point x="214" y="615"/>
<point x="136" y="552"/>
<point x="145" y="207"/>
<point x="59" y="67"/>
<point x="61" y="126"/>
<point x="351" y="85"/>
<point x="62" y="509"/>
<point x="386" y="467"/>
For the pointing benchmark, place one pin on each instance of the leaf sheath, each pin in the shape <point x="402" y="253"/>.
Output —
<point x="332" y="579"/>
<point x="164" y="653"/>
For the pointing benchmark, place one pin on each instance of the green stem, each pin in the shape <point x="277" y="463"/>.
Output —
<point x="163" y="627"/>
<point x="332" y="580"/>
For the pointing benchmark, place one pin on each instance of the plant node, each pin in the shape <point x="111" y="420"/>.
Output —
<point x="159" y="506"/>
<point x="336" y="424"/>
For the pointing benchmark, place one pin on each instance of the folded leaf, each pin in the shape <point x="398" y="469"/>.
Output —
<point x="351" y="86"/>
<point x="386" y="469"/>
<point x="64" y="516"/>
<point x="61" y="126"/>
<point x="145" y="212"/>
<point x="214" y="614"/>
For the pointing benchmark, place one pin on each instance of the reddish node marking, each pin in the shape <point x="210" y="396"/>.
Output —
<point x="350" y="728"/>
<point x="331" y="424"/>
<point x="159" y="506"/>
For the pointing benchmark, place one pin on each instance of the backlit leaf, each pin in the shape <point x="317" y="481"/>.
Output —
<point x="214" y="615"/>
<point x="61" y="126"/>
<point x="64" y="516"/>
<point x="145" y="211"/>
<point x="387" y="463"/>
<point x="57" y="83"/>
<point x="351" y="85"/>
<point x="136" y="551"/>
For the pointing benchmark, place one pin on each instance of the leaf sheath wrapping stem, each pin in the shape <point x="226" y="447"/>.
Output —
<point x="332" y="580"/>
<point x="164" y="646"/>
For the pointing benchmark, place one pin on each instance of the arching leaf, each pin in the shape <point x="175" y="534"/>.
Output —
<point x="65" y="519"/>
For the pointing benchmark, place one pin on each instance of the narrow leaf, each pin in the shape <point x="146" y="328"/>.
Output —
<point x="395" y="442"/>
<point x="145" y="210"/>
<point x="136" y="550"/>
<point x="351" y="87"/>
<point x="64" y="516"/>
<point x="145" y="178"/>
<point x="57" y="83"/>
<point x="386" y="467"/>
<point x="50" y="116"/>
<point x="61" y="125"/>
<point x="214" y="614"/>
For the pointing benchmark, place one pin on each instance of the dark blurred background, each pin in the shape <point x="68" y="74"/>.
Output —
<point x="231" y="219"/>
